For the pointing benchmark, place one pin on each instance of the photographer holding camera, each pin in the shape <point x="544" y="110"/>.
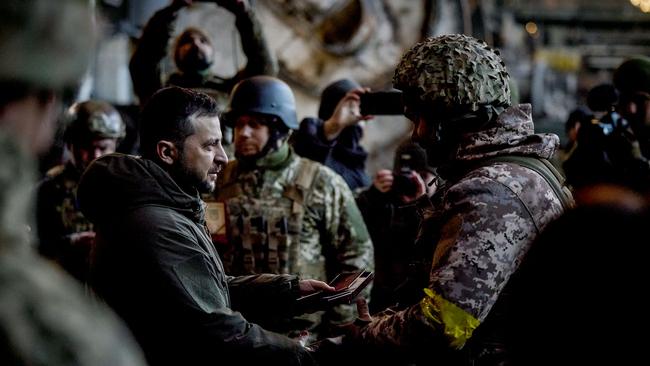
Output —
<point x="607" y="151"/>
<point x="390" y="210"/>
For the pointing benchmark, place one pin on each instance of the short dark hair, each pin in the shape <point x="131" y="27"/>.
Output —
<point x="166" y="116"/>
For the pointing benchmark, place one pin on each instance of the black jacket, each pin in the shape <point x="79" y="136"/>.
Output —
<point x="154" y="263"/>
<point x="344" y="155"/>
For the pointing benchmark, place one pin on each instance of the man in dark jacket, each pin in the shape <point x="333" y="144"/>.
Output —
<point x="333" y="139"/>
<point x="154" y="261"/>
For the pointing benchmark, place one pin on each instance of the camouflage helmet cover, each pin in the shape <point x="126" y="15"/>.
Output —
<point x="454" y="71"/>
<point x="93" y="120"/>
<point x="45" y="43"/>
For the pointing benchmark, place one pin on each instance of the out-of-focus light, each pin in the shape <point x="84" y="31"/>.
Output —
<point x="531" y="28"/>
<point x="644" y="5"/>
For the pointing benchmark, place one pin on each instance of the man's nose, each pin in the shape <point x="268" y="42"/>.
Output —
<point x="221" y="158"/>
<point x="245" y="130"/>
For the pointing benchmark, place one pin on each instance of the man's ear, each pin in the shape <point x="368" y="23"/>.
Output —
<point x="167" y="152"/>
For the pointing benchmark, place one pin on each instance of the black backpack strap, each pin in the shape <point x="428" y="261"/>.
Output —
<point x="542" y="167"/>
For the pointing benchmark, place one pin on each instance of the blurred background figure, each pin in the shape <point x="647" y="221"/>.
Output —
<point x="45" y="319"/>
<point x="333" y="139"/>
<point x="92" y="129"/>
<point x="581" y="278"/>
<point x="632" y="79"/>
<point x="607" y="149"/>
<point x="393" y="220"/>
<point x="194" y="53"/>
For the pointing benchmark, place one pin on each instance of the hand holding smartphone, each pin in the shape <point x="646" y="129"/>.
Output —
<point x="385" y="102"/>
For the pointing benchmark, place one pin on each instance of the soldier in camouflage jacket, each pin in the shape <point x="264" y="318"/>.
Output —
<point x="456" y="92"/>
<point x="286" y="214"/>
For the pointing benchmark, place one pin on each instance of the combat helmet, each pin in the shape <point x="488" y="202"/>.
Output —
<point x="633" y="75"/>
<point x="93" y="120"/>
<point x="45" y="44"/>
<point x="453" y="72"/>
<point x="262" y="95"/>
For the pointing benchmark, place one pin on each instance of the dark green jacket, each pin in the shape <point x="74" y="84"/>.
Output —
<point x="156" y="266"/>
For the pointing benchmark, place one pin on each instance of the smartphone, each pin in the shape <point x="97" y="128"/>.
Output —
<point x="386" y="102"/>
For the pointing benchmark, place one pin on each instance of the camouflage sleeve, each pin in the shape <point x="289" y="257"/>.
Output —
<point x="151" y="49"/>
<point x="260" y="59"/>
<point x="486" y="231"/>
<point x="334" y="220"/>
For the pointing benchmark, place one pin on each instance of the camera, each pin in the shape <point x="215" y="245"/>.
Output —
<point x="404" y="183"/>
<point x="611" y="122"/>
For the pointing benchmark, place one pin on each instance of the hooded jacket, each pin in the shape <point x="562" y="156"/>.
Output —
<point x="154" y="263"/>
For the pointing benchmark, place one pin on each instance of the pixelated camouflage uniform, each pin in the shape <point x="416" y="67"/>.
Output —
<point x="45" y="318"/>
<point x="58" y="216"/>
<point x="491" y="208"/>
<point x="488" y="220"/>
<point x="318" y="230"/>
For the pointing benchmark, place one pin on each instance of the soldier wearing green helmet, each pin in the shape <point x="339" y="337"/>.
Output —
<point x="500" y="193"/>
<point x="93" y="129"/>
<point x="45" y="318"/>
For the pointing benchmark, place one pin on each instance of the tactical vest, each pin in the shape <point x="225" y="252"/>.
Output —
<point x="263" y="231"/>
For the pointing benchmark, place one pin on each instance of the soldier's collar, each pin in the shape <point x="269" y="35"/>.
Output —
<point x="276" y="159"/>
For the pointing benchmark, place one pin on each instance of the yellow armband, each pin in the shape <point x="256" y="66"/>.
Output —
<point x="458" y="324"/>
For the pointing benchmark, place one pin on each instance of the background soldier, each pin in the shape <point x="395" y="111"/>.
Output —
<point x="287" y="214"/>
<point x="194" y="53"/>
<point x="500" y="193"/>
<point x="44" y="317"/>
<point x="93" y="129"/>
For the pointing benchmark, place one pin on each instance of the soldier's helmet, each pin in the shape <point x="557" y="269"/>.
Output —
<point x="90" y="120"/>
<point x="44" y="43"/>
<point x="453" y="72"/>
<point x="262" y="95"/>
<point x="633" y="76"/>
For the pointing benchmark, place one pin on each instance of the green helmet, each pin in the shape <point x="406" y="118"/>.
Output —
<point x="455" y="72"/>
<point x="45" y="43"/>
<point x="93" y="120"/>
<point x="633" y="75"/>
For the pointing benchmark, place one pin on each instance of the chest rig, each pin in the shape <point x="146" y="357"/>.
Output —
<point x="265" y="215"/>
